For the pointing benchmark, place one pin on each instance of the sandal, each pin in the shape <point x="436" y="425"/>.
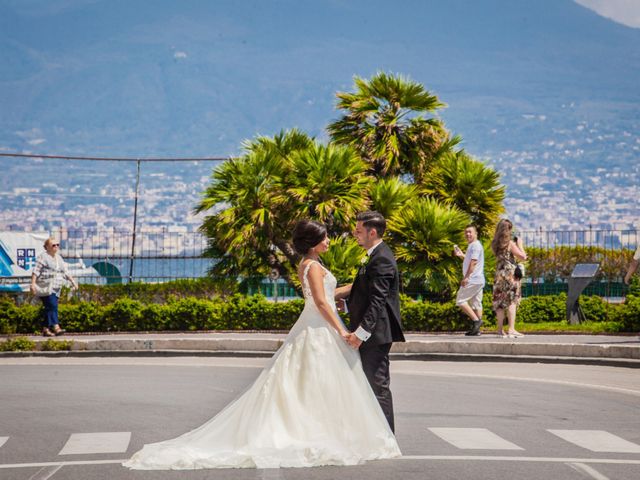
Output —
<point x="515" y="335"/>
<point x="47" y="333"/>
<point x="59" y="331"/>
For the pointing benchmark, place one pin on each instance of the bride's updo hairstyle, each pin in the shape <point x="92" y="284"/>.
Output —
<point x="307" y="234"/>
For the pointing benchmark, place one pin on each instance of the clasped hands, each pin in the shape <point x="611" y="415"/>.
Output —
<point x="352" y="340"/>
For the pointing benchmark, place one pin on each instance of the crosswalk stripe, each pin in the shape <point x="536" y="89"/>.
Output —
<point x="597" y="441"/>
<point x="586" y="469"/>
<point x="102" y="442"/>
<point x="45" y="473"/>
<point x="3" y="440"/>
<point x="453" y="458"/>
<point x="474" y="438"/>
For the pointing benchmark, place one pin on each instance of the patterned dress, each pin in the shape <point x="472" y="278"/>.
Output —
<point x="506" y="289"/>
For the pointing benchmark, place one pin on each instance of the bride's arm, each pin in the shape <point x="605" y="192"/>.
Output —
<point x="343" y="292"/>
<point x="316" y="277"/>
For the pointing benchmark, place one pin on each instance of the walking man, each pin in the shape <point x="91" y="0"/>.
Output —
<point x="469" y="297"/>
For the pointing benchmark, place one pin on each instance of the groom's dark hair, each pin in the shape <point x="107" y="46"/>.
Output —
<point x="373" y="220"/>
<point x="307" y="234"/>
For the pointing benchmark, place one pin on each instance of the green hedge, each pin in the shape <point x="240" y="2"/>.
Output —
<point x="159" y="293"/>
<point x="239" y="312"/>
<point x="207" y="287"/>
<point x="629" y="317"/>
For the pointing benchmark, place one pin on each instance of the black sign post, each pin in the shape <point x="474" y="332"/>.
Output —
<point x="582" y="275"/>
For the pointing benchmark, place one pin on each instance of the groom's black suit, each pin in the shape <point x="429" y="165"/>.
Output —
<point x="374" y="305"/>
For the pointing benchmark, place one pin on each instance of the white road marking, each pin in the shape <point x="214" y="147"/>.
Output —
<point x="62" y="464"/>
<point x="597" y="441"/>
<point x="586" y="469"/>
<point x="3" y="440"/>
<point x="521" y="459"/>
<point x="474" y="438"/>
<point x="45" y="472"/>
<point x="103" y="442"/>
<point x="522" y="379"/>
<point x="474" y="458"/>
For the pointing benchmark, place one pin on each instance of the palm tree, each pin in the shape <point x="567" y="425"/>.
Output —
<point x="283" y="144"/>
<point x="425" y="232"/>
<point x="389" y="195"/>
<point x="244" y="215"/>
<point x="384" y="122"/>
<point x="327" y="184"/>
<point x="256" y="200"/>
<point x="389" y="153"/>
<point x="343" y="257"/>
<point x="457" y="179"/>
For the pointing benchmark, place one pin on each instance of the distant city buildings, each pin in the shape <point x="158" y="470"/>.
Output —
<point x="578" y="177"/>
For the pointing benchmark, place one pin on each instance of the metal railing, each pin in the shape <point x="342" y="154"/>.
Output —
<point x="157" y="256"/>
<point x="554" y="253"/>
<point x="166" y="254"/>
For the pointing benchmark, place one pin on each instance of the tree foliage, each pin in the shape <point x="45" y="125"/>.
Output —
<point x="257" y="198"/>
<point x="383" y="121"/>
<point x="458" y="179"/>
<point x="388" y="152"/>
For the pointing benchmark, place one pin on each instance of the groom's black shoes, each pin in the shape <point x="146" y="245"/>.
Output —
<point x="475" y="330"/>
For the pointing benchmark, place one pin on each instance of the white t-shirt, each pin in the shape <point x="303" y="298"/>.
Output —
<point x="474" y="252"/>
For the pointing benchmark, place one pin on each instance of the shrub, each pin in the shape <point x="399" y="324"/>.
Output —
<point x="194" y="314"/>
<point x="285" y="314"/>
<point x="595" y="309"/>
<point x="82" y="317"/>
<point x="547" y="308"/>
<point x="123" y="315"/>
<point x="23" y="319"/>
<point x="155" y="317"/>
<point x="17" y="344"/>
<point x="51" y="345"/>
<point x="7" y="315"/>
<point x="431" y="316"/>
<point x="628" y="314"/>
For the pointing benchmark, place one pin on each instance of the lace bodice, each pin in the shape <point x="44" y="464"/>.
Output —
<point x="329" y="280"/>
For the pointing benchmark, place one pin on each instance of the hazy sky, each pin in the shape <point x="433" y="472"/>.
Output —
<point x="626" y="12"/>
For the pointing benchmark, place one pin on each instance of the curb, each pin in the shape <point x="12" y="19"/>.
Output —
<point x="494" y="348"/>
<point x="591" y="352"/>
<point x="433" y="357"/>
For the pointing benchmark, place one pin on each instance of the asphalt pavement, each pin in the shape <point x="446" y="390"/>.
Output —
<point x="78" y="418"/>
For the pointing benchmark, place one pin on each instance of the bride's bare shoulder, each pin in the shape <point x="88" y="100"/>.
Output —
<point x="311" y="265"/>
<point x="302" y="266"/>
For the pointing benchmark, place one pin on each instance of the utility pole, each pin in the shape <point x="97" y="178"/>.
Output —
<point x="135" y="221"/>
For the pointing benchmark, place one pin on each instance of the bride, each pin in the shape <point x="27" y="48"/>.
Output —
<point x="310" y="406"/>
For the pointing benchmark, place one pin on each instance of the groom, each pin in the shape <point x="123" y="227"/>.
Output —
<point x="374" y="308"/>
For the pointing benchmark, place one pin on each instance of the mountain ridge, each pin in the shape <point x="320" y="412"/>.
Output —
<point x="124" y="72"/>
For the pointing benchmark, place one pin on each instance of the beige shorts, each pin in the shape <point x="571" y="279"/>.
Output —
<point x="471" y="294"/>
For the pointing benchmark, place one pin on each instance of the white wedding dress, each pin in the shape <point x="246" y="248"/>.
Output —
<point x="310" y="406"/>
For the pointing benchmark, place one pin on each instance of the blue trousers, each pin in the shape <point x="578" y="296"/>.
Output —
<point x="50" y="317"/>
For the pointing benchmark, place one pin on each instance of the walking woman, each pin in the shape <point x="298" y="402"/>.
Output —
<point x="506" y="287"/>
<point x="47" y="279"/>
